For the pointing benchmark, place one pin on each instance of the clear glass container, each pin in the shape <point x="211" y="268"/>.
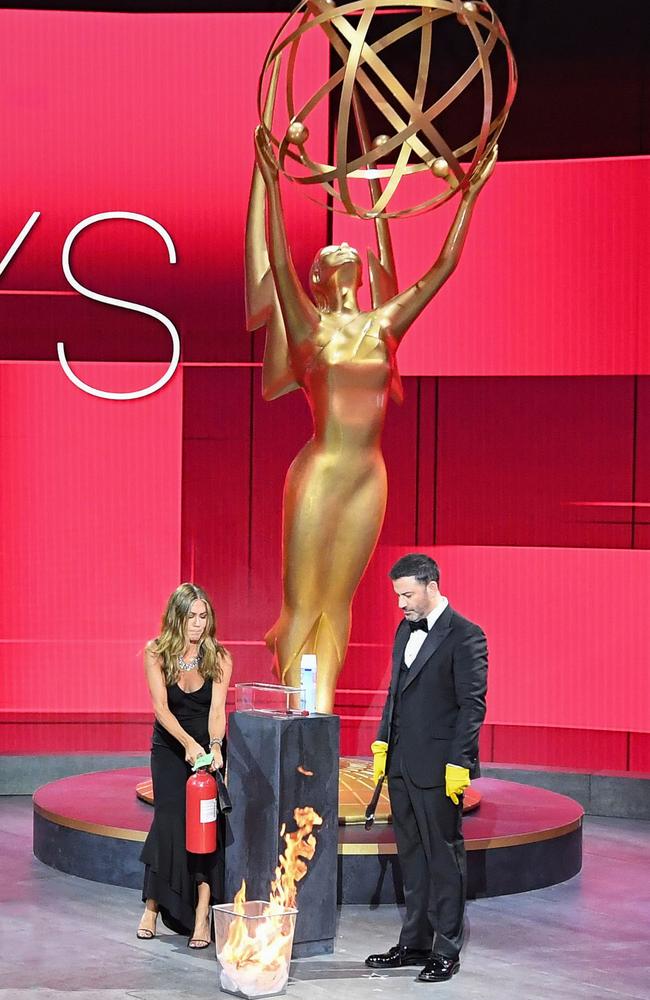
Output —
<point x="269" y="699"/>
<point x="254" y="948"/>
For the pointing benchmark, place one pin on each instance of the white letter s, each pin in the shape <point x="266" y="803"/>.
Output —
<point x="120" y="303"/>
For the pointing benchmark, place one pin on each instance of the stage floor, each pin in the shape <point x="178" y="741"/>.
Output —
<point x="585" y="939"/>
<point x="521" y="837"/>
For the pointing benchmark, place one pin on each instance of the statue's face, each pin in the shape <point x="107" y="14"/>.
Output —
<point x="338" y="267"/>
<point x="338" y="254"/>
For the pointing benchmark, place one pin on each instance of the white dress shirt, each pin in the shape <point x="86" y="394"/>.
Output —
<point x="416" y="639"/>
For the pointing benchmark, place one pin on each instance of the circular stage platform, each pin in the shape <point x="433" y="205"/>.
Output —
<point x="356" y="787"/>
<point x="521" y="837"/>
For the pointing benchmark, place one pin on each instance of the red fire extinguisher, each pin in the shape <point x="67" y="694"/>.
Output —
<point x="201" y="809"/>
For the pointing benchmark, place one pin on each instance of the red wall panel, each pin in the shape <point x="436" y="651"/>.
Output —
<point x="427" y="466"/>
<point x="553" y="279"/>
<point x="640" y="752"/>
<point x="573" y="748"/>
<point x="280" y="429"/>
<point x="251" y="661"/>
<point x="61" y="733"/>
<point x="521" y="459"/>
<point x="400" y="446"/>
<point x="90" y="519"/>
<point x="215" y="490"/>
<point x="356" y="737"/>
<point x="641" y="510"/>
<point x="155" y="115"/>
<point x="359" y="730"/>
<point x="486" y="743"/>
<point x="565" y="628"/>
<point x="365" y="677"/>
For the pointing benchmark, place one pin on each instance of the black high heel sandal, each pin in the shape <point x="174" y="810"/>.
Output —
<point x="145" y="933"/>
<point x="197" y="943"/>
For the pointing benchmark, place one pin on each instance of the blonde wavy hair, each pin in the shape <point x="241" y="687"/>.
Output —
<point x="171" y="642"/>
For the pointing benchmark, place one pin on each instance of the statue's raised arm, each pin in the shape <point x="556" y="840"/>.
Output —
<point x="262" y="306"/>
<point x="404" y="308"/>
<point x="300" y="315"/>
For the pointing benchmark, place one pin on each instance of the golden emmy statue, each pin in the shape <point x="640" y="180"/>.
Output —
<point x="342" y="357"/>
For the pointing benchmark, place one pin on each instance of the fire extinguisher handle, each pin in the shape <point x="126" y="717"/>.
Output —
<point x="203" y="761"/>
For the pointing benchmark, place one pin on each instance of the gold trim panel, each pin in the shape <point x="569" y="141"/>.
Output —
<point x="483" y="844"/>
<point x="98" y="829"/>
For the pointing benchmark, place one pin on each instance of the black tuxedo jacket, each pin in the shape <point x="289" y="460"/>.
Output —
<point x="443" y="699"/>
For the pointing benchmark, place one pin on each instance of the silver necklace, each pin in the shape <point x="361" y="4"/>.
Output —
<point x="192" y="665"/>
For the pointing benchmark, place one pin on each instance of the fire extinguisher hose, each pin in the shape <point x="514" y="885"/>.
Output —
<point x="225" y="805"/>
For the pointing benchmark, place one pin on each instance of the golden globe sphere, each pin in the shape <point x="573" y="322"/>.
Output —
<point x="297" y="133"/>
<point x="364" y="174"/>
<point x="440" y="167"/>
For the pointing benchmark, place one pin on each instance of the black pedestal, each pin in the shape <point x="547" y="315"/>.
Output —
<point x="276" y="764"/>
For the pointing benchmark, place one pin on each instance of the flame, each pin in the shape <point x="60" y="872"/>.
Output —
<point x="239" y="902"/>
<point x="256" y="955"/>
<point x="299" y="848"/>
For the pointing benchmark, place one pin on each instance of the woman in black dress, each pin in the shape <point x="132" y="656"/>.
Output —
<point x="188" y="672"/>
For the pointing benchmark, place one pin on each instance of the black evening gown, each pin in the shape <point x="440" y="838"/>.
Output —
<point x="171" y="873"/>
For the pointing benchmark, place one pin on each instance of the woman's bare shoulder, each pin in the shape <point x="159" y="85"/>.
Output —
<point x="224" y="658"/>
<point x="151" y="651"/>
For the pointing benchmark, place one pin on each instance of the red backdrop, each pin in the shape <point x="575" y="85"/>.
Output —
<point x="554" y="276"/>
<point x="520" y="456"/>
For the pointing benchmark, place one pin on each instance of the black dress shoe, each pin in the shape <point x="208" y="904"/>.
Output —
<point x="438" y="969"/>
<point x="398" y="956"/>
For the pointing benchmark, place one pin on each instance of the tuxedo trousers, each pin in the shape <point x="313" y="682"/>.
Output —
<point x="432" y="859"/>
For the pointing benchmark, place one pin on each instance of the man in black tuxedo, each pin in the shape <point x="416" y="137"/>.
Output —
<point x="427" y="745"/>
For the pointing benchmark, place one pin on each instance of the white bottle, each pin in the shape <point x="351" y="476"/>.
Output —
<point x="308" y="668"/>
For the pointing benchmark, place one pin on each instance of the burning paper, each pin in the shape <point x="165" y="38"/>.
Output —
<point x="254" y="938"/>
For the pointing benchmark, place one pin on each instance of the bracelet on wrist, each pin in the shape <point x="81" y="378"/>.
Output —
<point x="218" y="740"/>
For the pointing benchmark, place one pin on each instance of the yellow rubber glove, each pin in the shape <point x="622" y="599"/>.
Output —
<point x="456" y="781"/>
<point x="379" y="751"/>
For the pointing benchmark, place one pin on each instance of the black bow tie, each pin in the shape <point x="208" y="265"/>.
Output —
<point x="421" y="624"/>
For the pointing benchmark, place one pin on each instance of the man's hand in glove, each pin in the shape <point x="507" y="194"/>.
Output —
<point x="456" y="781"/>
<point x="379" y="751"/>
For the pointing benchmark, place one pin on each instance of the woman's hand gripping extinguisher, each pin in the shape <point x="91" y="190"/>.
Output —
<point x="201" y="808"/>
